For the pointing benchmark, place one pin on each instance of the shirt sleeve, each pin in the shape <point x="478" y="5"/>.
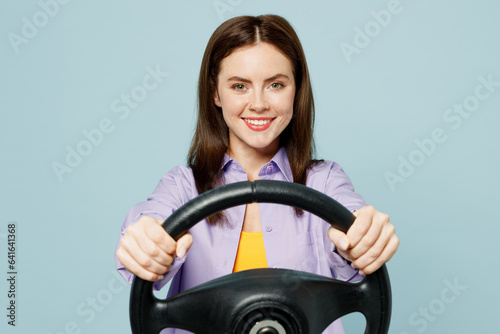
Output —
<point x="171" y="192"/>
<point x="340" y="188"/>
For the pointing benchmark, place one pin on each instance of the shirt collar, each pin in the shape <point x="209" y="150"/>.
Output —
<point x="279" y="163"/>
<point x="280" y="160"/>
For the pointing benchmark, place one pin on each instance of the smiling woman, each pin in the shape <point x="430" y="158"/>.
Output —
<point x="255" y="121"/>
<point x="240" y="40"/>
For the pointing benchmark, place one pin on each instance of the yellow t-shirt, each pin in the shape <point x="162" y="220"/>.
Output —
<point x="251" y="253"/>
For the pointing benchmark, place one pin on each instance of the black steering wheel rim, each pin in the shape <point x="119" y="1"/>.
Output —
<point x="372" y="296"/>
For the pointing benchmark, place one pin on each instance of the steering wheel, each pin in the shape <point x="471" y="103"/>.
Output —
<point x="259" y="301"/>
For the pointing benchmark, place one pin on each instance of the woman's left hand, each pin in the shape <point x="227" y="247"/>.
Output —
<point x="370" y="242"/>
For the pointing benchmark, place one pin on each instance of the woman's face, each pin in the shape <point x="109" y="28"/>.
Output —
<point x="255" y="90"/>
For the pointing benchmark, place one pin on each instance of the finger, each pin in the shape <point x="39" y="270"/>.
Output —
<point x="154" y="251"/>
<point x="130" y="245"/>
<point x="338" y="238"/>
<point x="137" y="236"/>
<point x="160" y="237"/>
<point x="132" y="266"/>
<point x="361" y="224"/>
<point x="375" y="251"/>
<point x="386" y="255"/>
<point x="183" y="245"/>
<point x="379" y="222"/>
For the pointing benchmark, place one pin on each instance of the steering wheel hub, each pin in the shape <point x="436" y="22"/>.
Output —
<point x="268" y="327"/>
<point x="267" y="318"/>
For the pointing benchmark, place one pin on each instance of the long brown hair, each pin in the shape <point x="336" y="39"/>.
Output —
<point x="211" y="137"/>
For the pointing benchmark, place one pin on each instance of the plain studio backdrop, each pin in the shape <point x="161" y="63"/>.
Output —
<point x="98" y="101"/>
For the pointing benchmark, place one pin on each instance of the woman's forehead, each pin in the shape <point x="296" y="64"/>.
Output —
<point x="254" y="60"/>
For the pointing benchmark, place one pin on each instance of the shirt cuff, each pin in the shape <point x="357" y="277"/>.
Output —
<point x="159" y="284"/>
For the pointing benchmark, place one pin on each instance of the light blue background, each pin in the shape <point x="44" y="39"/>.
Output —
<point x="370" y="111"/>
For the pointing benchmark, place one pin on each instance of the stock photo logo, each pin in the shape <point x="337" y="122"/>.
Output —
<point x="92" y="306"/>
<point x="32" y="25"/>
<point x="379" y="21"/>
<point x="225" y="6"/>
<point x="425" y="315"/>
<point x="122" y="107"/>
<point x="452" y="117"/>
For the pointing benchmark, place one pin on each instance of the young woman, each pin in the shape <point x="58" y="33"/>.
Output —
<point x="255" y="121"/>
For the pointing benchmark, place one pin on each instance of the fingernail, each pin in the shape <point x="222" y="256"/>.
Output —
<point x="160" y="277"/>
<point x="343" y="244"/>
<point x="181" y="253"/>
<point x="361" y="272"/>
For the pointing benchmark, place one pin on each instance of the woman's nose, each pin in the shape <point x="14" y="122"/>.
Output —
<point x="258" y="102"/>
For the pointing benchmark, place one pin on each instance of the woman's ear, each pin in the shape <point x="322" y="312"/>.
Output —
<point x="217" y="99"/>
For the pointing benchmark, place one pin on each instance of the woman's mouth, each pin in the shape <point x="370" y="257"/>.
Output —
<point x="258" y="124"/>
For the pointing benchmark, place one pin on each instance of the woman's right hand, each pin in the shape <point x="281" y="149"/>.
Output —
<point x="147" y="251"/>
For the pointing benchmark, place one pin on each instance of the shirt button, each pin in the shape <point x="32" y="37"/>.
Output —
<point x="269" y="228"/>
<point x="269" y="169"/>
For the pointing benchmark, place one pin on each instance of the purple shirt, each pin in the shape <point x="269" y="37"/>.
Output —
<point x="299" y="243"/>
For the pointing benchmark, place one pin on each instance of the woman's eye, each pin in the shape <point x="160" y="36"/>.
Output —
<point x="239" y="87"/>
<point x="276" y="85"/>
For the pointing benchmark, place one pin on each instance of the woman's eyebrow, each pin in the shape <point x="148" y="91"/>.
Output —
<point x="274" y="77"/>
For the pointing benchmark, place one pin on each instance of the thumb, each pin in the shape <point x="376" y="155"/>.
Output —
<point x="338" y="238"/>
<point x="183" y="245"/>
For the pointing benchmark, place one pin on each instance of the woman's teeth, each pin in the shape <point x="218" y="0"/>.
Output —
<point x="257" y="122"/>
